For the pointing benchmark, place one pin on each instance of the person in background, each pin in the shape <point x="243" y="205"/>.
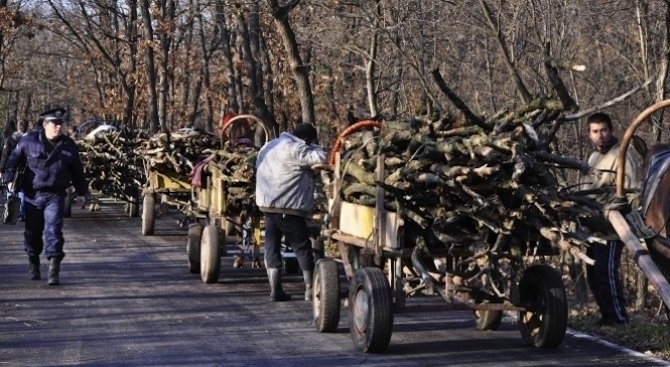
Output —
<point x="7" y="148"/>
<point x="285" y="194"/>
<point x="603" y="277"/>
<point x="52" y="165"/>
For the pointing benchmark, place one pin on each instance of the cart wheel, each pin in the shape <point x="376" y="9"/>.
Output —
<point x="67" y="207"/>
<point x="488" y="319"/>
<point x="210" y="258"/>
<point x="148" y="214"/>
<point x="370" y="301"/>
<point x="545" y="319"/>
<point x="326" y="300"/>
<point x="193" y="247"/>
<point x="134" y="208"/>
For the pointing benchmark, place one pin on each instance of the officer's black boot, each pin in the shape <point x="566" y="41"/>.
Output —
<point x="54" y="268"/>
<point x="307" y="277"/>
<point x="34" y="269"/>
<point x="276" y="292"/>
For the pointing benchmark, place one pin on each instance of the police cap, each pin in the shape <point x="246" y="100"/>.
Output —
<point x="57" y="115"/>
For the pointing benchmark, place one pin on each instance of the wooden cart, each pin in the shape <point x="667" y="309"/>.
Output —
<point x="206" y="242"/>
<point x="174" y="190"/>
<point x="383" y="269"/>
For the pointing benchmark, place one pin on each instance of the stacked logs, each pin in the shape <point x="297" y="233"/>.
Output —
<point x="113" y="163"/>
<point x="178" y="152"/>
<point x="470" y="183"/>
<point x="237" y="167"/>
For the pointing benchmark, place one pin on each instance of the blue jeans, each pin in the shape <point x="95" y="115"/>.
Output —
<point x="44" y="224"/>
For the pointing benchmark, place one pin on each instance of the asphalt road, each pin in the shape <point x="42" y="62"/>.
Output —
<point x="129" y="300"/>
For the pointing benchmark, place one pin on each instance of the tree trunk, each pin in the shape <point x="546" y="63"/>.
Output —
<point x="300" y="71"/>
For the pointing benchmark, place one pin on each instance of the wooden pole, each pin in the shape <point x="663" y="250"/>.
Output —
<point x="640" y="254"/>
<point x="625" y="141"/>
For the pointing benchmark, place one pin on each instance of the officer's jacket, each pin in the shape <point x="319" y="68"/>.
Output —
<point x="284" y="178"/>
<point x="52" y="171"/>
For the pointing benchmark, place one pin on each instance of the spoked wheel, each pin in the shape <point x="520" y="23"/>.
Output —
<point x="371" y="307"/>
<point x="193" y="247"/>
<point x="210" y="255"/>
<point x="545" y="319"/>
<point x="148" y="214"/>
<point x="326" y="293"/>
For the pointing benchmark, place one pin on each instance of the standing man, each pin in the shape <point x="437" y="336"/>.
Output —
<point x="52" y="163"/>
<point x="603" y="276"/>
<point x="285" y="193"/>
<point x="7" y="148"/>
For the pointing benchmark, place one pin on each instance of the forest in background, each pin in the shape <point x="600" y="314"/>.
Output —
<point x="161" y="64"/>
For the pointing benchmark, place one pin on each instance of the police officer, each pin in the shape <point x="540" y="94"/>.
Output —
<point x="285" y="193"/>
<point x="52" y="165"/>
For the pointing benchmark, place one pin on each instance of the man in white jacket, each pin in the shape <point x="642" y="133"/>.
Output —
<point x="285" y="194"/>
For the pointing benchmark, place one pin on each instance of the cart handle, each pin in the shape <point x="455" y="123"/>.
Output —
<point x="238" y="119"/>
<point x="625" y="142"/>
<point x="351" y="129"/>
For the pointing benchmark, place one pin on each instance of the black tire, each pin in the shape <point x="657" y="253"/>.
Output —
<point x="134" y="208"/>
<point x="488" y="319"/>
<point x="193" y="247"/>
<point x="371" y="309"/>
<point x="326" y="296"/>
<point x="67" y="207"/>
<point x="148" y="214"/>
<point x="542" y="294"/>
<point x="210" y="257"/>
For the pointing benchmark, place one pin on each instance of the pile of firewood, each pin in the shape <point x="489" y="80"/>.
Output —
<point x="470" y="182"/>
<point x="113" y="163"/>
<point x="237" y="166"/>
<point x="178" y="152"/>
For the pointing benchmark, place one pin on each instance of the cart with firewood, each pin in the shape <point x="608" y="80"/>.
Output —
<point x="222" y="203"/>
<point x="469" y="213"/>
<point x="168" y="160"/>
<point x="113" y="169"/>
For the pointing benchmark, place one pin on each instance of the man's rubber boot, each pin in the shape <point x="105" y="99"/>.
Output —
<point x="276" y="292"/>
<point x="34" y="269"/>
<point x="54" y="268"/>
<point x="307" y="277"/>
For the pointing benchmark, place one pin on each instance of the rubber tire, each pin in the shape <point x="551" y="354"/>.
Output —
<point x="134" y="208"/>
<point x="488" y="319"/>
<point x="193" y="247"/>
<point x="210" y="255"/>
<point x="148" y="214"/>
<point x="545" y="320"/>
<point x="371" y="310"/>
<point x="67" y="205"/>
<point x="326" y="296"/>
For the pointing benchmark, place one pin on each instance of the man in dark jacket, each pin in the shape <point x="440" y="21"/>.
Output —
<point x="52" y="165"/>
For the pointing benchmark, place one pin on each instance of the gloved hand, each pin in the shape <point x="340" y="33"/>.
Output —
<point x="80" y="201"/>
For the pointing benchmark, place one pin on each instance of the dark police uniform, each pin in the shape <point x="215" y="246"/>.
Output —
<point x="52" y="166"/>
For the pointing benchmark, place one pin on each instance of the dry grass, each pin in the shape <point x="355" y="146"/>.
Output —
<point x="647" y="332"/>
